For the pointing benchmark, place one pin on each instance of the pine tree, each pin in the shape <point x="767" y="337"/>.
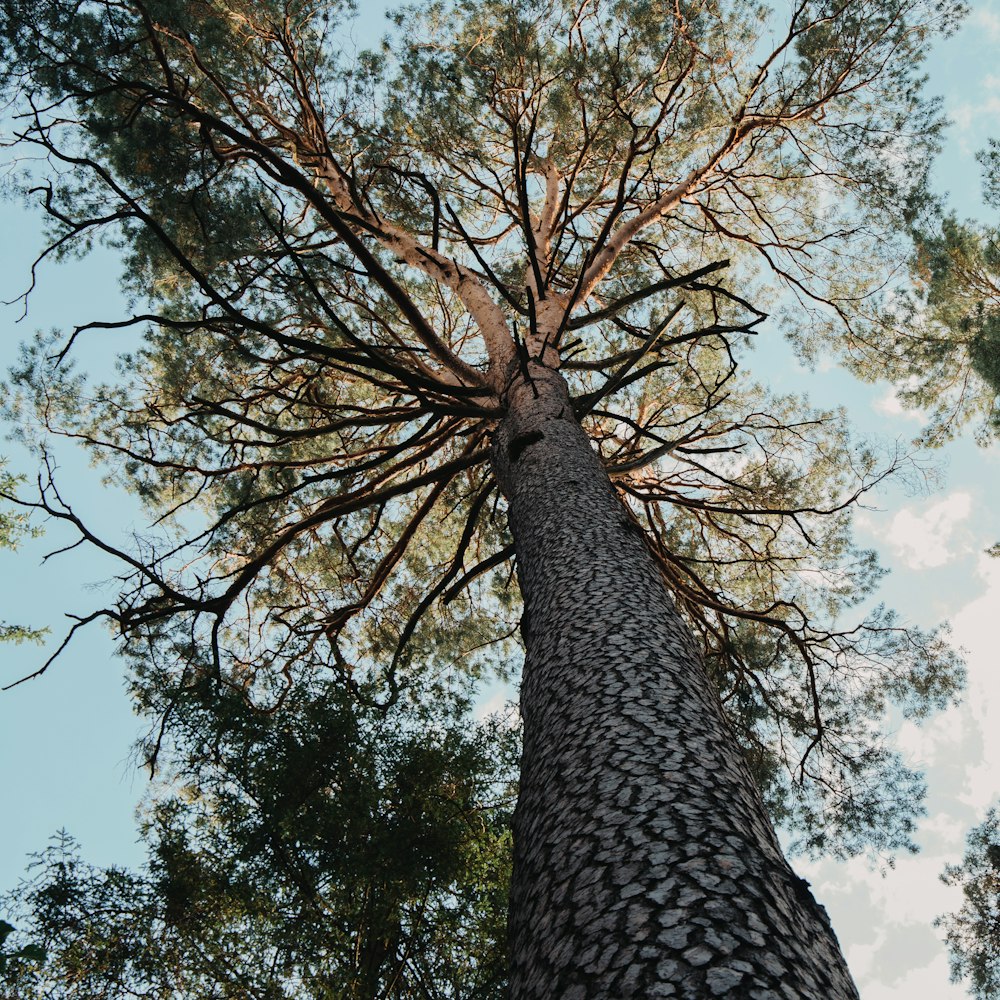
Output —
<point x="412" y="317"/>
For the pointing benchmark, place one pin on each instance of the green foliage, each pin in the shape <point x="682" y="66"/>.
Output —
<point x="973" y="933"/>
<point x="939" y="339"/>
<point x="960" y="268"/>
<point x="28" y="953"/>
<point x="329" y="850"/>
<point x="13" y="526"/>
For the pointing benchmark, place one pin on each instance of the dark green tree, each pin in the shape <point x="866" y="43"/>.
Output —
<point x="973" y="933"/>
<point x="409" y="317"/>
<point x="330" y="850"/>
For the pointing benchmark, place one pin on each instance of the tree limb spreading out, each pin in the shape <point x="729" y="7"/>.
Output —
<point x="340" y="260"/>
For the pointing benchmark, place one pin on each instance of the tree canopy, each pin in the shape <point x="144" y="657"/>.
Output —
<point x="337" y="256"/>
<point x="325" y="851"/>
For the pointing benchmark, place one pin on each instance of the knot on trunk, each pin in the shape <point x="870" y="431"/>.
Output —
<point x="521" y="443"/>
<point x="535" y="397"/>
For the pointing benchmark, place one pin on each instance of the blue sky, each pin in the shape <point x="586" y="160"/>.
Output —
<point x="66" y="738"/>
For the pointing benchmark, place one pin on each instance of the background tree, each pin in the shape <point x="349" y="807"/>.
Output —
<point x="329" y="850"/>
<point x="353" y="273"/>
<point x="973" y="933"/>
<point x="939" y="341"/>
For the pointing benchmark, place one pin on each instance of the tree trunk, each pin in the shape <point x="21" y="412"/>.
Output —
<point x="645" y="865"/>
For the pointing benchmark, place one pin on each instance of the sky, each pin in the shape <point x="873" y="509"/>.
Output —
<point x="66" y="738"/>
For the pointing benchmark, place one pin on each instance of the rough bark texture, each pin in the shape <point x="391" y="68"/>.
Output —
<point x="645" y="864"/>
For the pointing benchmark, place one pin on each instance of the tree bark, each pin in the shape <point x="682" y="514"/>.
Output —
<point x="645" y="864"/>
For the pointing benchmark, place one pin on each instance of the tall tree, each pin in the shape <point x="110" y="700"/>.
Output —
<point x="392" y="300"/>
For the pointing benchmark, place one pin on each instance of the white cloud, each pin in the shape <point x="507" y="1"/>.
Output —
<point x="967" y="114"/>
<point x="908" y="894"/>
<point x="986" y="22"/>
<point x="885" y="924"/>
<point x="945" y="735"/>
<point x="963" y="743"/>
<point x="963" y="116"/>
<point x="970" y="116"/>
<point x="974" y="629"/>
<point x="891" y="405"/>
<point x="949" y="831"/>
<point x="924" y="540"/>
<point x="861" y="957"/>
<point x="500" y="702"/>
<point x="925" y="982"/>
